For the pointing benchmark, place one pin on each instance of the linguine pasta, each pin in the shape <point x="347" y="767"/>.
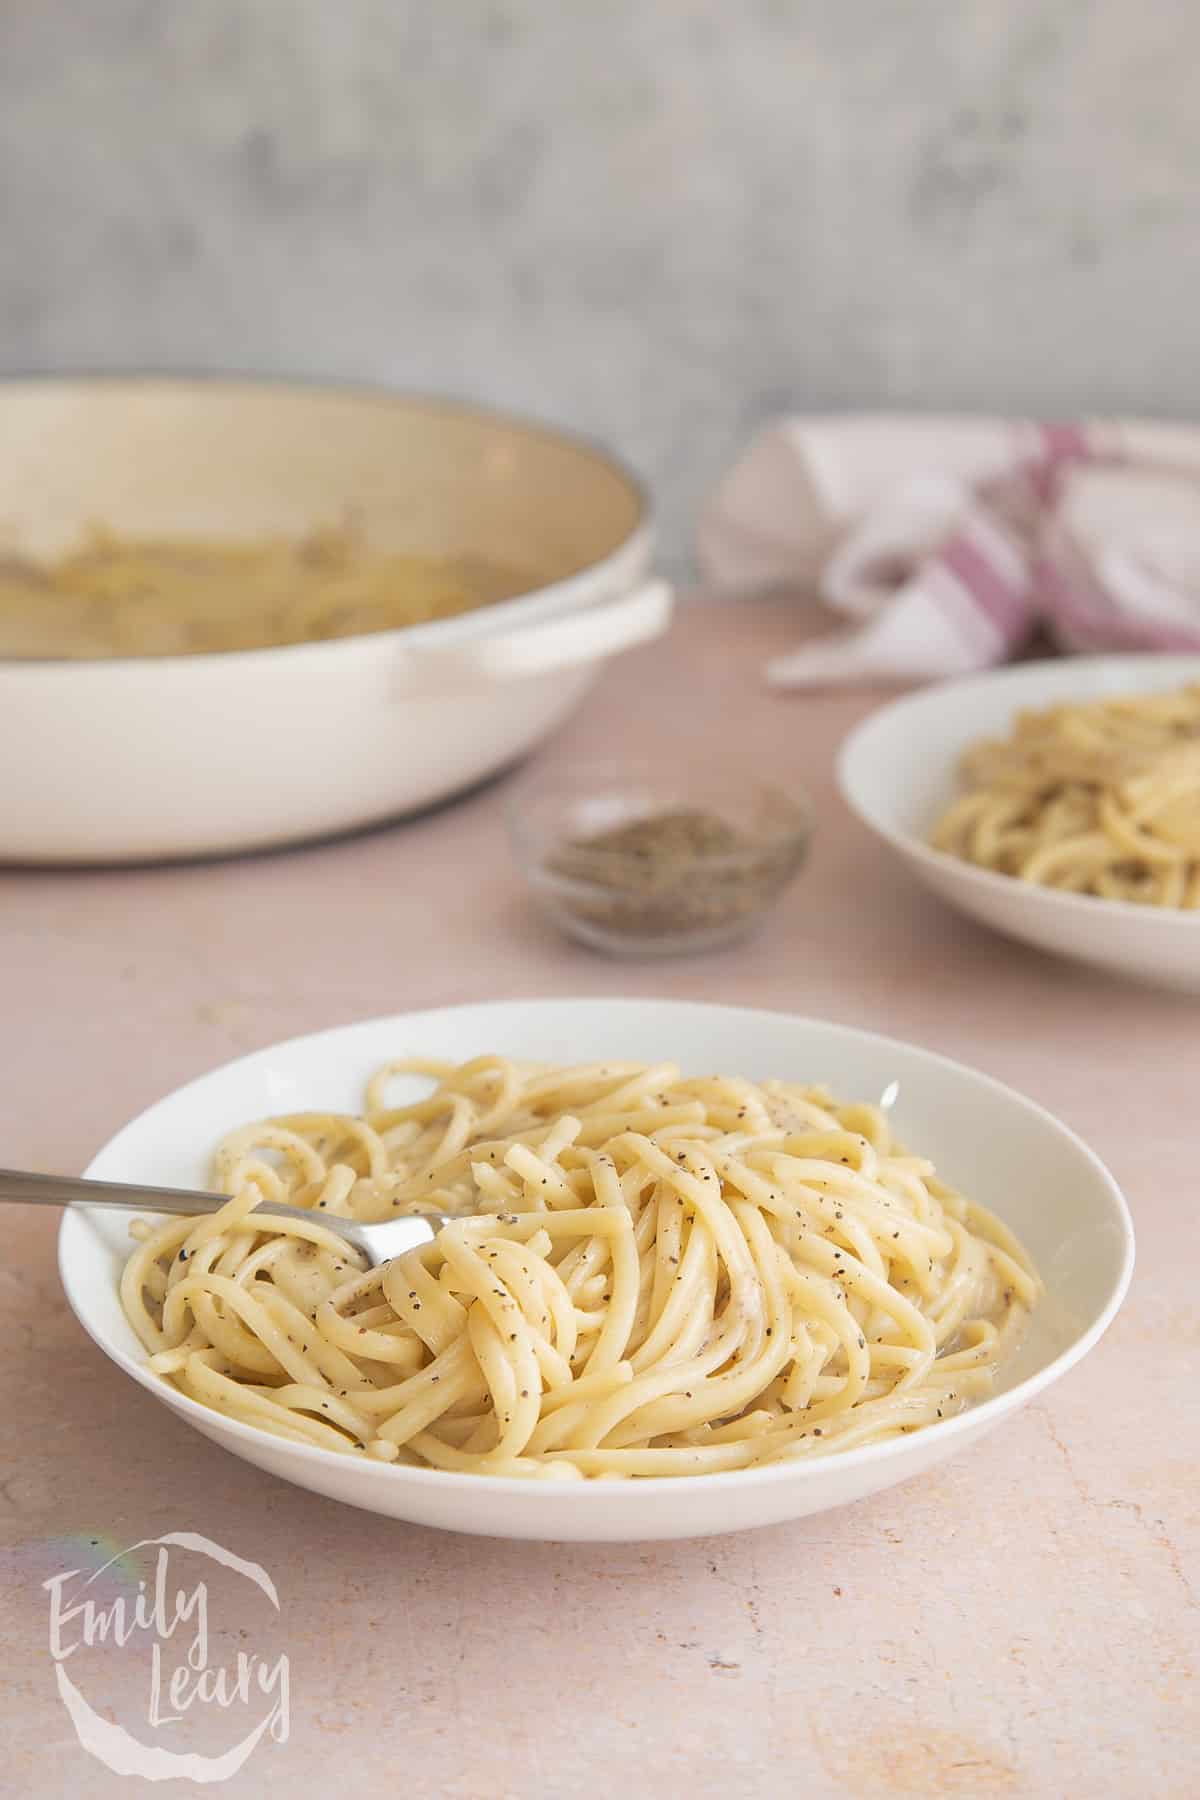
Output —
<point x="1101" y="798"/>
<point x="644" y="1275"/>
<point x="117" y="596"/>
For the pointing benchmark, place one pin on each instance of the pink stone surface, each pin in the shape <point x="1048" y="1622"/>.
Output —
<point x="1024" y="1622"/>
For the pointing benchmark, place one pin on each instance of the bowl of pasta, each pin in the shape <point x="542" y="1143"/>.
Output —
<point x="1058" y="802"/>
<point x="704" y="1269"/>
<point x="241" y="614"/>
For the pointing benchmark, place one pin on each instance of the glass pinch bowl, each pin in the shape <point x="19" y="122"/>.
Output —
<point x="640" y="860"/>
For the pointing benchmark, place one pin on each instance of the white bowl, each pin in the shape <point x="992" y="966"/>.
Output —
<point x="198" y="755"/>
<point x="898" y="771"/>
<point x="999" y="1147"/>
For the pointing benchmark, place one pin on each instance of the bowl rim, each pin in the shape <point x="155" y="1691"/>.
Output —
<point x="602" y="1493"/>
<point x="991" y="881"/>
<point x="549" y="598"/>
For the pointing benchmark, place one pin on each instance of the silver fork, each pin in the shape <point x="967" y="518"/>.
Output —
<point x="378" y="1243"/>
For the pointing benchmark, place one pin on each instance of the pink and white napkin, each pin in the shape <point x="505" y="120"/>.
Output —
<point x="946" y="542"/>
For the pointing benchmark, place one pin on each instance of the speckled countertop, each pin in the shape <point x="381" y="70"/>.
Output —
<point x="1023" y="1622"/>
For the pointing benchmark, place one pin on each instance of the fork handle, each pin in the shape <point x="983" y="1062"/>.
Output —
<point x="66" y="1190"/>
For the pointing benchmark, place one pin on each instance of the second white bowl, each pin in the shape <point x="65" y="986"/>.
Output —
<point x="898" y="771"/>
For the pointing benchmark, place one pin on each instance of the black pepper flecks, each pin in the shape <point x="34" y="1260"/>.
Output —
<point x="674" y="872"/>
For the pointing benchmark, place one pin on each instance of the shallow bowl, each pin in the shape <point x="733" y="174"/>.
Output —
<point x="898" y="772"/>
<point x="999" y="1147"/>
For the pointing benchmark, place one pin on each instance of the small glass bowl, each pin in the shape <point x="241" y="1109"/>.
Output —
<point x="734" y="844"/>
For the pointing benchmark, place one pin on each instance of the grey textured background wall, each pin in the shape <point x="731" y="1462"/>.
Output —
<point x="657" y="220"/>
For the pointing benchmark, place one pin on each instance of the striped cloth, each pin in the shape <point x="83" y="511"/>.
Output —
<point x="948" y="542"/>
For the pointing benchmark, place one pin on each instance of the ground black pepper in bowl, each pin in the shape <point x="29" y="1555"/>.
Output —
<point x="668" y="870"/>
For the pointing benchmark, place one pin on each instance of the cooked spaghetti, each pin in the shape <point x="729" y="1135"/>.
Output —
<point x="119" y="596"/>
<point x="1101" y="798"/>
<point x="643" y="1275"/>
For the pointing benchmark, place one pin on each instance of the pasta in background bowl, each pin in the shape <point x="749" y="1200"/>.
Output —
<point x="1009" y="1155"/>
<point x="899" y="772"/>
<point x="1098" y="797"/>
<point x="116" y="596"/>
